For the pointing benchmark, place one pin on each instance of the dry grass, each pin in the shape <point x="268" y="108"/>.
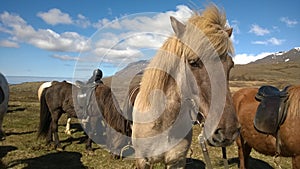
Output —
<point x="21" y="149"/>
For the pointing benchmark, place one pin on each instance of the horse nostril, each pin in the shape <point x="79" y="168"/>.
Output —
<point x="218" y="136"/>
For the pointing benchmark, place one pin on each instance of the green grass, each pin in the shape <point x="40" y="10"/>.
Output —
<point x="22" y="149"/>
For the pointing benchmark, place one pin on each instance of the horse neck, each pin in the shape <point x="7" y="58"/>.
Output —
<point x="110" y="109"/>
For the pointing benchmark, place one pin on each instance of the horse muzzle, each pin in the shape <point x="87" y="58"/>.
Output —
<point x="223" y="137"/>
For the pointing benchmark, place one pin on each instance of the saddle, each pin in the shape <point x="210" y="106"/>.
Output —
<point x="84" y="96"/>
<point x="271" y="111"/>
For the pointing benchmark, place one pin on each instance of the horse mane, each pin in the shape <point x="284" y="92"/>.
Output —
<point x="212" y="22"/>
<point x="111" y="111"/>
<point x="293" y="100"/>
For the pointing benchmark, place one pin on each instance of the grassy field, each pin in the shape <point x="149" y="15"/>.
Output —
<point x="22" y="149"/>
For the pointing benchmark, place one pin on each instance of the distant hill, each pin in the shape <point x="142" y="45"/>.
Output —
<point x="280" y="68"/>
<point x="292" y="55"/>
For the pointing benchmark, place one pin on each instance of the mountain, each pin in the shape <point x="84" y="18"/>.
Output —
<point x="292" y="55"/>
<point x="135" y="67"/>
<point x="280" y="68"/>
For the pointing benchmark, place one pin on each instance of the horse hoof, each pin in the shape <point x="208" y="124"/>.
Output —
<point x="68" y="132"/>
<point x="59" y="149"/>
<point x="114" y="156"/>
<point x="90" y="152"/>
<point x="2" y="138"/>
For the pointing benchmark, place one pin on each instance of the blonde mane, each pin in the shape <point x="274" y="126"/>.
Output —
<point x="294" y="104"/>
<point x="212" y="22"/>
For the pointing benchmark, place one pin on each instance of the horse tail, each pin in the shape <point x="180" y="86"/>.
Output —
<point x="45" y="116"/>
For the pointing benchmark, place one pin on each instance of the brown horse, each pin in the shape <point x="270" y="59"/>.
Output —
<point x="189" y="74"/>
<point x="61" y="98"/>
<point x="246" y="107"/>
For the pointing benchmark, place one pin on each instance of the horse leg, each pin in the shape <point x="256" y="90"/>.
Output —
<point x="2" y="133"/>
<point x="89" y="130"/>
<point x="296" y="162"/>
<point x="179" y="164"/>
<point x="68" y="130"/>
<point x="88" y="145"/>
<point x="54" y="128"/>
<point x="244" y="151"/>
<point x="142" y="163"/>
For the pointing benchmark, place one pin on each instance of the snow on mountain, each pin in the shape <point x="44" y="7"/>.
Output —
<point x="292" y="55"/>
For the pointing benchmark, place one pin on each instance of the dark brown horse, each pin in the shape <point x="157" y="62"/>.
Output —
<point x="61" y="98"/>
<point x="246" y="106"/>
<point x="54" y="101"/>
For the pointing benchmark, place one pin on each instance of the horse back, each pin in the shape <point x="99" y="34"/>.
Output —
<point x="59" y="96"/>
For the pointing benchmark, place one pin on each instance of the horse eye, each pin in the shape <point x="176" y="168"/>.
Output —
<point x="196" y="63"/>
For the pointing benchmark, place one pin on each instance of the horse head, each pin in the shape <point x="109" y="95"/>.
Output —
<point x="207" y="51"/>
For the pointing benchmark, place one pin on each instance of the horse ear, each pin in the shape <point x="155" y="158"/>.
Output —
<point x="177" y="26"/>
<point x="229" y="31"/>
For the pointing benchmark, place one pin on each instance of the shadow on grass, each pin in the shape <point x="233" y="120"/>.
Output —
<point x="194" y="163"/>
<point x="3" y="151"/>
<point x="253" y="163"/>
<point x="20" y="133"/>
<point x="14" y="108"/>
<point x="63" y="160"/>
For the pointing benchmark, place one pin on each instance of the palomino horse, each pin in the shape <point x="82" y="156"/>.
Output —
<point x="189" y="74"/>
<point x="4" y="96"/>
<point x="246" y="106"/>
<point x="40" y="91"/>
<point x="61" y="97"/>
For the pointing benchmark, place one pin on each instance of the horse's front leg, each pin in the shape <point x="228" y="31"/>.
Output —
<point x="89" y="130"/>
<point x="244" y="151"/>
<point x="88" y="145"/>
<point x="142" y="163"/>
<point x="296" y="162"/>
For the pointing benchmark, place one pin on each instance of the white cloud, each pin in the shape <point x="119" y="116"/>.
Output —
<point x="288" y="22"/>
<point x="259" y="31"/>
<point x="64" y="57"/>
<point x="82" y="21"/>
<point x="247" y="58"/>
<point x="46" y="39"/>
<point x="145" y="40"/>
<point x="146" y="22"/>
<point x="236" y="30"/>
<point x="109" y="11"/>
<point x="123" y="39"/>
<point x="271" y="41"/>
<point x="55" y="16"/>
<point x="275" y="41"/>
<point x="9" y="44"/>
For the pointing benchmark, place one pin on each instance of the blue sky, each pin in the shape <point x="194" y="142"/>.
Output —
<point x="67" y="38"/>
